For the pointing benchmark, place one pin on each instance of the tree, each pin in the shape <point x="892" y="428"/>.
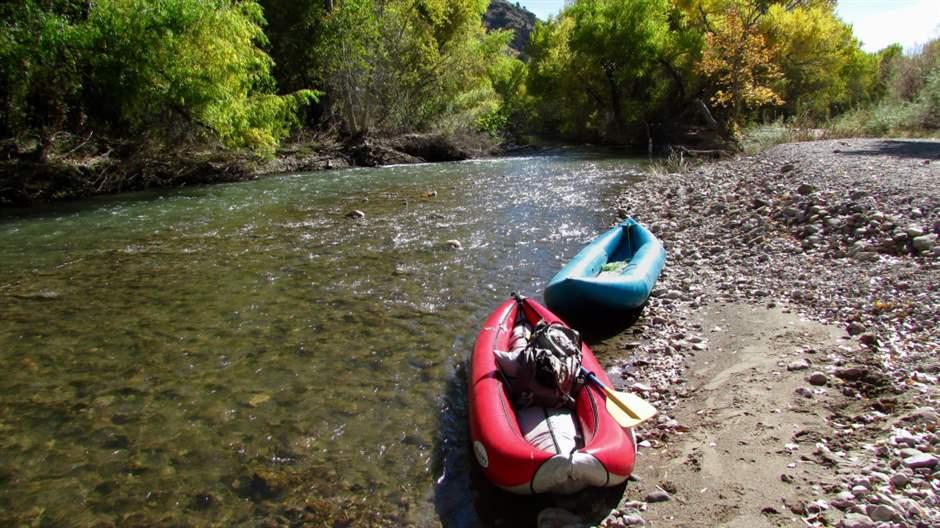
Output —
<point x="511" y="117"/>
<point x="294" y="27"/>
<point x="619" y="42"/>
<point x="593" y="65"/>
<point x="197" y="61"/>
<point x="738" y="61"/>
<point x="822" y="64"/>
<point x="40" y="69"/>
<point x="134" y="67"/>
<point x="401" y="65"/>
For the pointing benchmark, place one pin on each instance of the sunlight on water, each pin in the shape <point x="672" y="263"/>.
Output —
<point x="234" y="353"/>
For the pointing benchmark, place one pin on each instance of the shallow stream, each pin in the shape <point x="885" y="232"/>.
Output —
<point x="242" y="353"/>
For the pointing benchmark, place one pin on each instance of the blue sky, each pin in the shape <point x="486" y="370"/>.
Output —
<point x="877" y="23"/>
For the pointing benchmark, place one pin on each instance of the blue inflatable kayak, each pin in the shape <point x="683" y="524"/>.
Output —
<point x="616" y="271"/>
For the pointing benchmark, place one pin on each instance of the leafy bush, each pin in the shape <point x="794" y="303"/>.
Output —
<point x="135" y="66"/>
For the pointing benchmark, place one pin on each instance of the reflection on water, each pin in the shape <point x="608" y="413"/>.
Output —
<point x="239" y="353"/>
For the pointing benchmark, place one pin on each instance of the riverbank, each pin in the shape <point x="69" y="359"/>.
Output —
<point x="84" y="167"/>
<point x="791" y="344"/>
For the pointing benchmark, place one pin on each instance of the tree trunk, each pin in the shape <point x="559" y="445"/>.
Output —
<point x="615" y="106"/>
<point x="706" y="113"/>
<point x="676" y="79"/>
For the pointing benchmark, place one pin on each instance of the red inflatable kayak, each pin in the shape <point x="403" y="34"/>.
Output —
<point x="536" y="450"/>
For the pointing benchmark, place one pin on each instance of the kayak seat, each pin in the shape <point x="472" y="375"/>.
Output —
<point x="552" y="430"/>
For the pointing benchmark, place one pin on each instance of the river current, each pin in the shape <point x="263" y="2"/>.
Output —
<point x="245" y="353"/>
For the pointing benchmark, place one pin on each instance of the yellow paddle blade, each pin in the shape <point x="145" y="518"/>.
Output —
<point x="623" y="419"/>
<point x="627" y="408"/>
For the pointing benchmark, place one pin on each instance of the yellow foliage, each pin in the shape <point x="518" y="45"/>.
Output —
<point x="740" y="63"/>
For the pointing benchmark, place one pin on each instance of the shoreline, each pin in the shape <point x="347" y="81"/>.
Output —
<point x="791" y="344"/>
<point x="102" y="167"/>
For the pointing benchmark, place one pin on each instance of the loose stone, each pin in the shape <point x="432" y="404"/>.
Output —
<point x="856" y="520"/>
<point x="851" y="373"/>
<point x="800" y="364"/>
<point x="856" y="328"/>
<point x="881" y="513"/>
<point x="805" y="189"/>
<point x="922" y="460"/>
<point x="804" y="392"/>
<point x="899" y="480"/>
<point x="925" y="243"/>
<point x="657" y="496"/>
<point x="818" y="378"/>
<point x="632" y="520"/>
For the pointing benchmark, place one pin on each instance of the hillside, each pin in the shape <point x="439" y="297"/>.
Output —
<point x="504" y="15"/>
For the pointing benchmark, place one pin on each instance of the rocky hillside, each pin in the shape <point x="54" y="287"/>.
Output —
<point x="504" y="15"/>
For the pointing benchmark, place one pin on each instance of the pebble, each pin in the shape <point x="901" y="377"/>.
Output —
<point x="804" y="392"/>
<point x="844" y="500"/>
<point x="805" y="189"/>
<point x="851" y="373"/>
<point x="922" y="460"/>
<point x="830" y="240"/>
<point x="881" y="513"/>
<point x="818" y="378"/>
<point x="856" y="520"/>
<point x="657" y="496"/>
<point x="800" y="364"/>
<point x="355" y="214"/>
<point x="904" y="438"/>
<point x="856" y="328"/>
<point x="925" y="243"/>
<point x="455" y="244"/>
<point x="899" y="480"/>
<point x="632" y="519"/>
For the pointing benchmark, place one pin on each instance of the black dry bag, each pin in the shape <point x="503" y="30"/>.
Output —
<point x="549" y="367"/>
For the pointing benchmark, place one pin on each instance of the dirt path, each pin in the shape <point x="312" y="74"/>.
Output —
<point x="740" y="463"/>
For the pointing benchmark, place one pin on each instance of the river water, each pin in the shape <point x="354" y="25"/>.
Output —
<point x="244" y="353"/>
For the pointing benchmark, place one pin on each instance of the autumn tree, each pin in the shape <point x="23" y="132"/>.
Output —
<point x="737" y="60"/>
<point x="823" y="67"/>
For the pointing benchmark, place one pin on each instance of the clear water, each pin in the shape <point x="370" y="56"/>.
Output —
<point x="243" y="353"/>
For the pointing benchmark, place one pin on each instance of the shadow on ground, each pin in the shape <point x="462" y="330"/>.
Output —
<point x="924" y="150"/>
<point x="497" y="508"/>
<point x="600" y="326"/>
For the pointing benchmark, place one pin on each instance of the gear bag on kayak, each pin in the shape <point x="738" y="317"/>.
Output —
<point x="549" y="367"/>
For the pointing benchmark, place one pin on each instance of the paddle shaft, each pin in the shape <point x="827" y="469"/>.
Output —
<point x="607" y="390"/>
<point x="640" y="410"/>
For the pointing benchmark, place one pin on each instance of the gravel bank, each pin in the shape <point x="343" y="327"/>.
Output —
<point x="839" y="233"/>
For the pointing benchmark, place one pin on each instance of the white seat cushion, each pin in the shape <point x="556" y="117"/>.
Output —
<point x="551" y="430"/>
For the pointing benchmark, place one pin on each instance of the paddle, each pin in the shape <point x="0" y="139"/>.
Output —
<point x="626" y="408"/>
